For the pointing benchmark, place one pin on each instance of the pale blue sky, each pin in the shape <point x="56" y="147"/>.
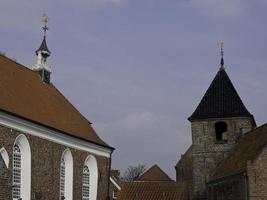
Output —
<point x="138" y="68"/>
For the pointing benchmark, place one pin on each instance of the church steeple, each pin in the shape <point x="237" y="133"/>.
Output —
<point x="221" y="100"/>
<point x="218" y="122"/>
<point x="42" y="53"/>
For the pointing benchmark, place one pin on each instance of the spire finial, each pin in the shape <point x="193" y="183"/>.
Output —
<point x="221" y="46"/>
<point x="45" y="20"/>
<point x="42" y="66"/>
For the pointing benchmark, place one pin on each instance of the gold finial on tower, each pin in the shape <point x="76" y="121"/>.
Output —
<point x="45" y="20"/>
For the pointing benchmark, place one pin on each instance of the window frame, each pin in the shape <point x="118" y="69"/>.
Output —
<point x="91" y="163"/>
<point x="86" y="186"/>
<point x="68" y="180"/>
<point x="23" y="152"/>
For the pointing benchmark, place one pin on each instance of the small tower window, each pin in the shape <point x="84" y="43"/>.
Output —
<point x="221" y="132"/>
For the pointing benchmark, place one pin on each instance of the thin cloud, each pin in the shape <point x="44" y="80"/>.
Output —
<point x="95" y="3"/>
<point x="23" y="15"/>
<point x="219" y="8"/>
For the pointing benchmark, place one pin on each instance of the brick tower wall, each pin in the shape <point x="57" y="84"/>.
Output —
<point x="207" y="153"/>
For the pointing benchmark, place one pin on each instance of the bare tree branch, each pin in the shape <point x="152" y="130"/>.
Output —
<point x="133" y="172"/>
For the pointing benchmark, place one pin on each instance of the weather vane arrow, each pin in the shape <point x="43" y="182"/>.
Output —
<point x="45" y="20"/>
<point x="221" y="46"/>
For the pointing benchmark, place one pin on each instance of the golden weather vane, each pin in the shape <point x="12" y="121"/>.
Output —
<point x="45" y="20"/>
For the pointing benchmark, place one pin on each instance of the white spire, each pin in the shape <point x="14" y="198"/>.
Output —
<point x="43" y="53"/>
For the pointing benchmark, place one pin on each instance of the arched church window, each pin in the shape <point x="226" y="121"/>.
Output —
<point x="221" y="132"/>
<point x="90" y="178"/>
<point x="16" y="172"/>
<point x="21" y="179"/>
<point x="5" y="156"/>
<point x="86" y="183"/>
<point x="66" y="176"/>
<point x="62" y="179"/>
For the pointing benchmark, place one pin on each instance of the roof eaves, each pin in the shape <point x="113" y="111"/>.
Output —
<point x="242" y="172"/>
<point x="57" y="130"/>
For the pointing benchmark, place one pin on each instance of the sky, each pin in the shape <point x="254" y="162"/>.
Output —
<point x="137" y="69"/>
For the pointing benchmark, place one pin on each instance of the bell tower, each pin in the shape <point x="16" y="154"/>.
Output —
<point x="218" y="122"/>
<point x="42" y="66"/>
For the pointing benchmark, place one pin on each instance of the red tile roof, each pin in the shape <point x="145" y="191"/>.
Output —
<point x="247" y="149"/>
<point x="25" y="95"/>
<point x="154" y="184"/>
<point x="165" y="190"/>
<point x="154" y="174"/>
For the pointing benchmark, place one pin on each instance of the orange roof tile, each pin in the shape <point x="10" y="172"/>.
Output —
<point x="153" y="190"/>
<point x="154" y="174"/>
<point x="247" y="149"/>
<point x="24" y="94"/>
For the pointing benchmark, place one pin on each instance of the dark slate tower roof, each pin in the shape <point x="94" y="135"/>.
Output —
<point x="221" y="100"/>
<point x="43" y="47"/>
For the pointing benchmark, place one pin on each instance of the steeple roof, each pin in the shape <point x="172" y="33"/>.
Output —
<point x="43" y="47"/>
<point x="221" y="100"/>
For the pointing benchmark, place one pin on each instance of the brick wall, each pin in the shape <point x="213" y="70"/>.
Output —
<point x="45" y="162"/>
<point x="207" y="154"/>
<point x="229" y="188"/>
<point x="184" y="169"/>
<point x="5" y="189"/>
<point x="257" y="176"/>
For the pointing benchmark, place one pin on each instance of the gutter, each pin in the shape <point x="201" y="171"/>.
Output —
<point x="109" y="175"/>
<point x="57" y="130"/>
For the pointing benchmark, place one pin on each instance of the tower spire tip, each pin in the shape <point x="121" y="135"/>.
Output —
<point x="45" y="21"/>
<point x="221" y="46"/>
